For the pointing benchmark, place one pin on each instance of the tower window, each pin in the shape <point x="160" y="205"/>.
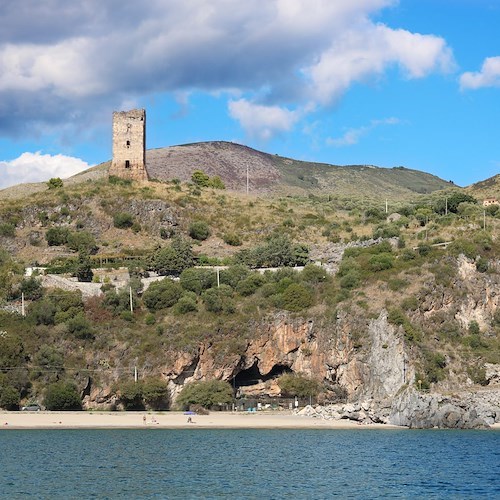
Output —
<point x="128" y="144"/>
<point x="127" y="164"/>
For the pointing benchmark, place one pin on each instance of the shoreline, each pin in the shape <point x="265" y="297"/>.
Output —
<point x="172" y="420"/>
<point x="176" y="420"/>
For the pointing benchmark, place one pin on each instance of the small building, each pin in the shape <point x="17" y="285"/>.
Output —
<point x="490" y="201"/>
<point x="129" y="145"/>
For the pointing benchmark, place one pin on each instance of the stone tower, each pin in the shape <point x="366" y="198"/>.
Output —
<point x="129" y="145"/>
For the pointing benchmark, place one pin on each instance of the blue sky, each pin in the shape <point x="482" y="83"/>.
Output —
<point x="412" y="83"/>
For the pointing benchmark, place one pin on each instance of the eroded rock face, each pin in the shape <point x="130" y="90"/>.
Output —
<point x="299" y="346"/>
<point x="471" y="410"/>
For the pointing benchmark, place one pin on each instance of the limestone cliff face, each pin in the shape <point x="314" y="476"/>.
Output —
<point x="377" y="370"/>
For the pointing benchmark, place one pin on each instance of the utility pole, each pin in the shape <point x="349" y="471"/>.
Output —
<point x="131" y="304"/>
<point x="446" y="206"/>
<point x="386" y="206"/>
<point x="23" y="312"/>
<point x="248" y="182"/>
<point x="218" y="278"/>
<point x="484" y="220"/>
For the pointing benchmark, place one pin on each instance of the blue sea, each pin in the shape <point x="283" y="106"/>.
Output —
<point x="255" y="464"/>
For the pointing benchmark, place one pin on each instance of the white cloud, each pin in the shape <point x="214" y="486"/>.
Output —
<point x="365" y="52"/>
<point x="353" y="135"/>
<point x="489" y="76"/>
<point x="262" y="122"/>
<point x="295" y="54"/>
<point x="38" y="167"/>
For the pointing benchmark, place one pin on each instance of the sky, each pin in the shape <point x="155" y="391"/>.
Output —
<point x="412" y="83"/>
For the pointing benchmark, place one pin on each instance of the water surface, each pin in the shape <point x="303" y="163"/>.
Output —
<point x="208" y="463"/>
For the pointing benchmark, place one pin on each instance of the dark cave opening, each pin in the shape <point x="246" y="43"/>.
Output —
<point x="252" y="375"/>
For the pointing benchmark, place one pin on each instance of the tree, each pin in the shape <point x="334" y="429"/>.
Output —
<point x="84" y="271"/>
<point x="9" y="397"/>
<point x="82" y="241"/>
<point x="173" y="259"/>
<point x="55" y="183"/>
<point x="298" y="385"/>
<point x="155" y="393"/>
<point x="57" y="236"/>
<point x="197" y="280"/>
<point x="208" y="393"/>
<point x="162" y="294"/>
<point x="62" y="396"/>
<point x="130" y="394"/>
<point x="32" y="288"/>
<point x="200" y="178"/>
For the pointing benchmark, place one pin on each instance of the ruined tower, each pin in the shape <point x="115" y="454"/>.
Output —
<point x="129" y="145"/>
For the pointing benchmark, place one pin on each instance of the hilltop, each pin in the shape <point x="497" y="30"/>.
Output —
<point x="267" y="173"/>
<point x="274" y="173"/>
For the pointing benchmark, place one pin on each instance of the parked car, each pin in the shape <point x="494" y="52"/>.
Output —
<point x="32" y="407"/>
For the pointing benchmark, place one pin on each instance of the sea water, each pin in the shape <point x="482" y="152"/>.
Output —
<point x="263" y="464"/>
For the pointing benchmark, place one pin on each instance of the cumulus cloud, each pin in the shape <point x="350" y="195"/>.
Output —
<point x="262" y="122"/>
<point x="353" y="135"/>
<point x="94" y="55"/>
<point x="489" y="76"/>
<point x="38" y="167"/>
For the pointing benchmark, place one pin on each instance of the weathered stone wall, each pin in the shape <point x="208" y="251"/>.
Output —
<point x="129" y="145"/>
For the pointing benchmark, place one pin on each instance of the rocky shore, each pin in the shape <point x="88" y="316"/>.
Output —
<point x="419" y="410"/>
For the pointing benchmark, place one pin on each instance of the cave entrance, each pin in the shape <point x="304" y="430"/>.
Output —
<point x="252" y="375"/>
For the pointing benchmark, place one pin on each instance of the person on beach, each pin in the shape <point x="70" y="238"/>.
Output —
<point x="144" y="419"/>
<point x="190" y="421"/>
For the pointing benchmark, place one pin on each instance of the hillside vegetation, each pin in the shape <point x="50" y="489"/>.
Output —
<point x="427" y="262"/>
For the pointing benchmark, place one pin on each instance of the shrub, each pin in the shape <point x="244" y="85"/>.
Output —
<point x="197" y="280"/>
<point x="297" y="297"/>
<point x="150" y="319"/>
<point x="57" y="236"/>
<point x="7" y="229"/>
<point x="482" y="265"/>
<point x="199" y="230"/>
<point x="249" y="285"/>
<point x="123" y="220"/>
<point x="232" y="239"/>
<point x="380" y="262"/>
<point x="62" y="396"/>
<point x="217" y="183"/>
<point x="9" y="397"/>
<point x="162" y="294"/>
<point x="206" y="394"/>
<point x="218" y="299"/>
<point x="233" y="275"/>
<point x="80" y="327"/>
<point x="186" y="305"/>
<point x="55" y="183"/>
<point x="313" y="274"/>
<point x="474" y="328"/>
<point x="350" y="280"/>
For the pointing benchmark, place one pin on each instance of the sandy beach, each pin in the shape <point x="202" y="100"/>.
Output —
<point x="172" y="420"/>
